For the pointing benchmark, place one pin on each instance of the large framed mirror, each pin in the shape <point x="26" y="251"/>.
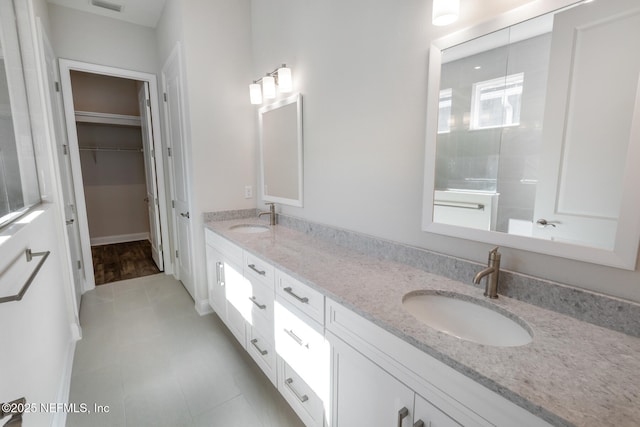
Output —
<point x="533" y="132"/>
<point x="280" y="127"/>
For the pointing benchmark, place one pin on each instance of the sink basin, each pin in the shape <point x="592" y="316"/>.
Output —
<point x="249" y="228"/>
<point x="467" y="318"/>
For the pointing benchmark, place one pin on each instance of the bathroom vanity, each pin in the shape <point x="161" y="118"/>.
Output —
<point x="328" y="327"/>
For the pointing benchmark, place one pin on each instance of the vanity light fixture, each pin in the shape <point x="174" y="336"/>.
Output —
<point x="445" y="12"/>
<point x="255" y="93"/>
<point x="279" y="79"/>
<point x="269" y="87"/>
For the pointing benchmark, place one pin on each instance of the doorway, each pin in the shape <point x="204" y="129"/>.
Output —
<point x="113" y="125"/>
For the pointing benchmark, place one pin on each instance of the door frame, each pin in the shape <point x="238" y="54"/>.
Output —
<point x="66" y="66"/>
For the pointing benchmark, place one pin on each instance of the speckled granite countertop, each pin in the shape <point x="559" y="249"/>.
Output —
<point x="572" y="373"/>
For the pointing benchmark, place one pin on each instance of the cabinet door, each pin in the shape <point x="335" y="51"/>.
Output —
<point x="366" y="395"/>
<point x="237" y="294"/>
<point x="215" y="281"/>
<point x="427" y="415"/>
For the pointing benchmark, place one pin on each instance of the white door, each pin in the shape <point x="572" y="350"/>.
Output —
<point x="66" y="177"/>
<point x="175" y="122"/>
<point x="150" y="175"/>
<point x="587" y="124"/>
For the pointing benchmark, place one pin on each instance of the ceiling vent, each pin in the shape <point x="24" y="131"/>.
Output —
<point x="107" y="5"/>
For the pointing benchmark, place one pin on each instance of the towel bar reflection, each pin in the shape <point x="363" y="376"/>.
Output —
<point x="30" y="255"/>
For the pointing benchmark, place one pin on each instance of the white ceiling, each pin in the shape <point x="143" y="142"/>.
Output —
<point x="141" y="12"/>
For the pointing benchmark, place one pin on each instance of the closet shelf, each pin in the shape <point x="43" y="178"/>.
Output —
<point x="135" y="150"/>
<point x="107" y="118"/>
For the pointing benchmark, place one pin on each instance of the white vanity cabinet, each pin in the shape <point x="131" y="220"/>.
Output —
<point x="366" y="394"/>
<point x="381" y="373"/>
<point x="333" y="366"/>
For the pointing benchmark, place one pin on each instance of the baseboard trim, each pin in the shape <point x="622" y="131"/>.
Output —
<point x="203" y="308"/>
<point x="60" y="417"/>
<point x="120" y="238"/>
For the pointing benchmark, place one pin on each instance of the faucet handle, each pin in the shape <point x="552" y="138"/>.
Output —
<point x="494" y="255"/>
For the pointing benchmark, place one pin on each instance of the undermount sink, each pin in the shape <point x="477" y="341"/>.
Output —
<point x="249" y="228"/>
<point x="466" y="318"/>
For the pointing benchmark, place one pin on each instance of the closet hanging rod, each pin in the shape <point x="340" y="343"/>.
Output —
<point x="135" y="150"/>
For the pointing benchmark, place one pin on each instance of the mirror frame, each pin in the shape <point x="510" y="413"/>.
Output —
<point x="297" y="99"/>
<point x="625" y="252"/>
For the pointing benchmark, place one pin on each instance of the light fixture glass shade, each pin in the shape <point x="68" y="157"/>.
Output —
<point x="285" y="83"/>
<point x="268" y="87"/>
<point x="445" y="12"/>
<point x="255" y="93"/>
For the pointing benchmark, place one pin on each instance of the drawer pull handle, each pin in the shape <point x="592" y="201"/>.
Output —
<point x="303" y="300"/>
<point x="302" y="398"/>
<point x="260" y="306"/>
<point x="220" y="273"/>
<point x="402" y="414"/>
<point x="260" y="272"/>
<point x="419" y="423"/>
<point x="254" y="342"/>
<point x="296" y="338"/>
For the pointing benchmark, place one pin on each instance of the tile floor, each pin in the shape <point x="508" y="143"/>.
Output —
<point x="149" y="357"/>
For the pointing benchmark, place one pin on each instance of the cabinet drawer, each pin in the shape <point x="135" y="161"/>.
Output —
<point x="303" y="399"/>
<point x="262" y="351"/>
<point x="227" y="248"/>
<point x="301" y="296"/>
<point x="256" y="268"/>
<point x="261" y="301"/>
<point x="301" y="343"/>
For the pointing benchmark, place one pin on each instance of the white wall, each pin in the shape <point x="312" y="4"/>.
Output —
<point x="99" y="40"/>
<point x="216" y="42"/>
<point x="362" y="69"/>
<point x="37" y="346"/>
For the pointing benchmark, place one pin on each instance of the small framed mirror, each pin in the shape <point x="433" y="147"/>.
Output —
<point x="280" y="127"/>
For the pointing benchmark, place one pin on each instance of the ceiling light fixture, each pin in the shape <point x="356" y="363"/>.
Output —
<point x="278" y="80"/>
<point x="445" y="12"/>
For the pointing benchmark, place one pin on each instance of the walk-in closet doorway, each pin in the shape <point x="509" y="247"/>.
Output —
<point x="112" y="118"/>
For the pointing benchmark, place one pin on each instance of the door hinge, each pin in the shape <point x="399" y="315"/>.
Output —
<point x="65" y="149"/>
<point x="57" y="86"/>
<point x="165" y="97"/>
<point x="157" y="202"/>
<point x="160" y="248"/>
<point x="169" y="151"/>
<point x="176" y="254"/>
<point x="79" y="263"/>
<point x="153" y="153"/>
<point x="148" y="103"/>
<point x="173" y="204"/>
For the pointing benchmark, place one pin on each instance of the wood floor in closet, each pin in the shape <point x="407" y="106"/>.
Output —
<point x="120" y="261"/>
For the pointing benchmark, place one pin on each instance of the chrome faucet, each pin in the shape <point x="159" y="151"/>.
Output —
<point x="271" y="212"/>
<point x="493" y="271"/>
